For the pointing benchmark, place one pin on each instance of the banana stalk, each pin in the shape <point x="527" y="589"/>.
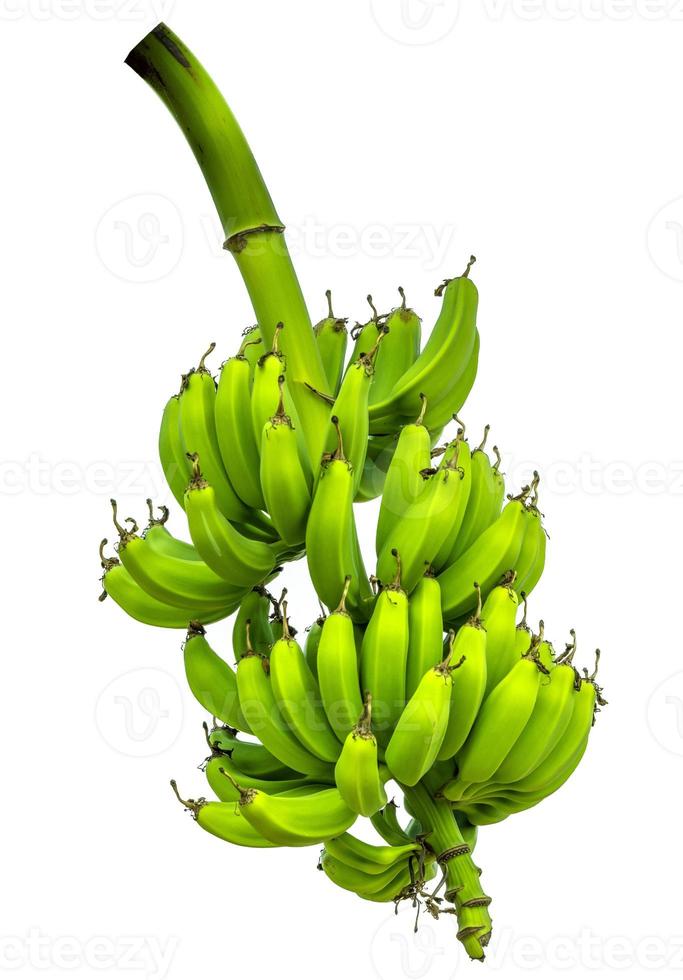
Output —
<point x="254" y="233"/>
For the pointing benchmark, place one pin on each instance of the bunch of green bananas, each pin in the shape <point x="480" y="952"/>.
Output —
<point x="419" y="676"/>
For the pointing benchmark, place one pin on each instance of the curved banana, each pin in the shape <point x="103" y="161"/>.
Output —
<point x="485" y="500"/>
<point x="445" y="355"/>
<point x="372" y="858"/>
<point x="337" y="667"/>
<point x="384" y="654"/>
<point x="387" y="825"/>
<point x="399" y="349"/>
<point x="251" y="758"/>
<point x="425" y="524"/>
<point x="425" y="631"/>
<point x="296" y="821"/>
<point x="469" y="684"/>
<point x="160" y="538"/>
<point x="459" y="456"/>
<point x="223" y="820"/>
<point x="404" y="481"/>
<point x="234" y="430"/>
<point x="254" y="609"/>
<point x="312" y="645"/>
<point x="298" y="696"/>
<point x="219" y="766"/>
<point x="485" y="561"/>
<point x="332" y="337"/>
<point x="331" y="543"/>
<point x="286" y="485"/>
<point x="501" y="720"/>
<point x="230" y="555"/>
<point x="419" y="732"/>
<point x="498" y="617"/>
<point x="171" y="450"/>
<point x="365" y="335"/>
<point x="356" y="772"/>
<point x="260" y="708"/>
<point x="211" y="680"/>
<point x="118" y="583"/>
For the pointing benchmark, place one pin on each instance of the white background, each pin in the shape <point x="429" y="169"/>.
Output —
<point x="396" y="139"/>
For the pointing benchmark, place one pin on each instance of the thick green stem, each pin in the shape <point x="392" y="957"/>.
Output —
<point x="463" y="887"/>
<point x="253" y="230"/>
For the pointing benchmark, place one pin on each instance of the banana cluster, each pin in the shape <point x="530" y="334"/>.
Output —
<point x="420" y="673"/>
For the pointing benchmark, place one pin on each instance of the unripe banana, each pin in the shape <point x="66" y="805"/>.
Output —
<point x="313" y="634"/>
<point x="331" y="542"/>
<point x="399" y="349"/>
<point x="331" y="337"/>
<point x="157" y="535"/>
<point x="498" y="617"/>
<point x="546" y="726"/>
<point x="286" y="484"/>
<point x="419" y="732"/>
<point x="469" y="684"/>
<point x="371" y="858"/>
<point x="296" y="821"/>
<point x="252" y="348"/>
<point x="425" y="631"/>
<point x="171" y="450"/>
<point x="231" y="555"/>
<point x="356" y="772"/>
<point x="460" y="453"/>
<point x="217" y="767"/>
<point x="223" y="820"/>
<point x="298" y="696"/>
<point x="386" y="823"/>
<point x="211" y="680"/>
<point x="365" y="335"/>
<point x="234" y="430"/>
<point x="531" y="561"/>
<point x="485" y="561"/>
<point x="118" y="583"/>
<point x="337" y="664"/>
<point x="485" y="500"/>
<point x="384" y="655"/>
<point x="251" y="758"/>
<point x="260" y="708"/>
<point x="404" y="482"/>
<point x="425" y="524"/>
<point x="501" y="720"/>
<point x="254" y="609"/>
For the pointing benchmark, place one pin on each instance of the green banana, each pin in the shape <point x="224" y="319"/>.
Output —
<point x="296" y="821"/>
<point x="492" y="554"/>
<point x="425" y="524"/>
<point x="251" y="348"/>
<point x="175" y="581"/>
<point x="399" y="349"/>
<point x="531" y="561"/>
<point x="159" y="537"/>
<point x="484" y="502"/>
<point x="469" y="684"/>
<point x="198" y="431"/>
<point x="425" y="631"/>
<point x="356" y="772"/>
<point x="298" y="696"/>
<point x="211" y="680"/>
<point x="223" y="820"/>
<point x="337" y="667"/>
<point x="419" y="732"/>
<point x="462" y="458"/>
<point x="234" y="431"/>
<point x="371" y="858"/>
<point x="445" y="355"/>
<point x="254" y="609"/>
<point x="331" y="544"/>
<point x="171" y="450"/>
<point x="384" y="654"/>
<point x="386" y="823"/>
<point x="230" y="555"/>
<point x="259" y="705"/>
<point x="285" y="482"/>
<point x="365" y="335"/>
<point x="118" y="583"/>
<point x="313" y="634"/>
<point x="501" y="720"/>
<point x="498" y="616"/>
<point x="217" y="767"/>
<point x="546" y="726"/>
<point x="404" y="481"/>
<point x="251" y="758"/>
<point x="332" y="337"/>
